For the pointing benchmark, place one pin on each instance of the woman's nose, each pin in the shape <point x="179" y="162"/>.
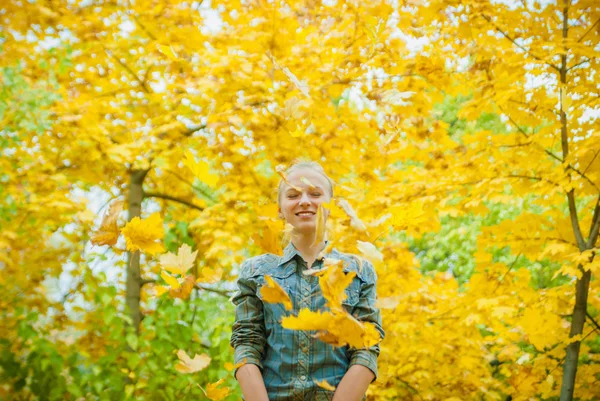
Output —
<point x="304" y="200"/>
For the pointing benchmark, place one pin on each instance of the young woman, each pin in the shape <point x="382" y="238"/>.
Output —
<point x="283" y="364"/>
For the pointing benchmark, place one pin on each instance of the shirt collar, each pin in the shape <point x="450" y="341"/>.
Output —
<point x="290" y="252"/>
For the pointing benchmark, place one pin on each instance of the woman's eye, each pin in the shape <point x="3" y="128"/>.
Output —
<point x="316" y="194"/>
<point x="292" y="196"/>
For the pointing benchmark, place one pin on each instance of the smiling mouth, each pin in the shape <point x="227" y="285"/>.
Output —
<point x="305" y="213"/>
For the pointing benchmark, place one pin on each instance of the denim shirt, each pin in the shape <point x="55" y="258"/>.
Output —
<point x="292" y="361"/>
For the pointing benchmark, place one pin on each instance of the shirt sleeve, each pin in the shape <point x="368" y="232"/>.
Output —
<point x="366" y="311"/>
<point x="248" y="331"/>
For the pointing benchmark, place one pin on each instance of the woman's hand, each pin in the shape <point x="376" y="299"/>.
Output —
<point x="354" y="384"/>
<point x="251" y="383"/>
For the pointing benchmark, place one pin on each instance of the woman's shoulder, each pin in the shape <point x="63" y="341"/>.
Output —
<point x="257" y="264"/>
<point x="363" y="268"/>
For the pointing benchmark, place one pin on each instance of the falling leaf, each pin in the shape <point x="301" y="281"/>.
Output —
<point x="214" y="393"/>
<point x="145" y="235"/>
<point x="231" y="367"/>
<point x="172" y="281"/>
<point x="319" y="227"/>
<point x="180" y="263"/>
<point x="370" y="251"/>
<point x="355" y="222"/>
<point x="201" y="170"/>
<point x="269" y="239"/>
<point x="305" y="180"/>
<point x="108" y="233"/>
<point x="209" y="275"/>
<point x="323" y="384"/>
<point x="188" y="365"/>
<point x="169" y="52"/>
<point x="333" y="284"/>
<point x="307" y="320"/>
<point x="273" y="293"/>
<point x="185" y="289"/>
<point x="280" y="171"/>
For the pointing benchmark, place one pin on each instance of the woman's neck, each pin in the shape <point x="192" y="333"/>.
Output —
<point x="303" y="244"/>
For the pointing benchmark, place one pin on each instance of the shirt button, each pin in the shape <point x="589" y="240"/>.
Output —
<point x="302" y="377"/>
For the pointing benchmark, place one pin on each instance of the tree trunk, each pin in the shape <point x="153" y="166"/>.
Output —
<point x="134" y="279"/>
<point x="578" y="319"/>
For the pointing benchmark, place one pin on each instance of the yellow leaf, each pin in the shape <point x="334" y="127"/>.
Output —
<point x="319" y="227"/>
<point x="370" y="251"/>
<point x="307" y="320"/>
<point x="268" y="239"/>
<point x="333" y="283"/>
<point x="108" y="233"/>
<point x="209" y="275"/>
<point x="168" y="51"/>
<point x="325" y="385"/>
<point x="172" y="281"/>
<point x="189" y="365"/>
<point x="201" y="170"/>
<point x="145" y="235"/>
<point x="305" y="180"/>
<point x="280" y="170"/>
<point x="273" y="293"/>
<point x="231" y="367"/>
<point x="180" y="263"/>
<point x="161" y="289"/>
<point x="183" y="291"/>
<point x="214" y="393"/>
<point x="355" y="222"/>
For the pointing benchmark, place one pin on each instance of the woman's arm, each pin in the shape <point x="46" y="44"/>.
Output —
<point x="251" y="383"/>
<point x="354" y="384"/>
<point x="248" y="337"/>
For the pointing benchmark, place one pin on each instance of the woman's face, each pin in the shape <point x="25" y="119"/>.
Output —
<point x="299" y="205"/>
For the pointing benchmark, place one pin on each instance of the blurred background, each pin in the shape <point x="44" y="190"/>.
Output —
<point x="464" y="134"/>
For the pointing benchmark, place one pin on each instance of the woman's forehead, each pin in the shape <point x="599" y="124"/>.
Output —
<point x="315" y="178"/>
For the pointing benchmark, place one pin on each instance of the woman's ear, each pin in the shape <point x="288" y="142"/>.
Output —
<point x="279" y="214"/>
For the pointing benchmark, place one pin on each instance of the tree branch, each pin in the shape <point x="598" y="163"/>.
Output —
<point x="595" y="226"/>
<point x="223" y="293"/>
<point x="510" y="38"/>
<point x="588" y="31"/>
<point x="129" y="70"/>
<point x="593" y="321"/>
<point x="171" y="198"/>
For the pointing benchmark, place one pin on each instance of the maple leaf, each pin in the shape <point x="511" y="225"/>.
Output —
<point x="305" y="180"/>
<point x="370" y="251"/>
<point x="324" y="385"/>
<point x="169" y="52"/>
<point x="231" y="367"/>
<point x="333" y="283"/>
<point x="189" y="365"/>
<point x="214" y="393"/>
<point x="319" y="227"/>
<point x="355" y="222"/>
<point x="180" y="263"/>
<point x="185" y="289"/>
<point x="280" y="170"/>
<point x="172" y="281"/>
<point x="269" y="240"/>
<point x="201" y="170"/>
<point x="307" y="320"/>
<point x="209" y="275"/>
<point x="144" y="235"/>
<point x="108" y="232"/>
<point x="273" y="293"/>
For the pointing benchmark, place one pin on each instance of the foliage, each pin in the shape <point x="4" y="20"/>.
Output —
<point x="462" y="137"/>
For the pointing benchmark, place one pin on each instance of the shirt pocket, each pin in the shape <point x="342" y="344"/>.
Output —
<point x="323" y="395"/>
<point x="352" y="295"/>
<point x="274" y="312"/>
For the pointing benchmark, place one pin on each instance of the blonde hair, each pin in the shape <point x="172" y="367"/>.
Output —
<point x="305" y="164"/>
